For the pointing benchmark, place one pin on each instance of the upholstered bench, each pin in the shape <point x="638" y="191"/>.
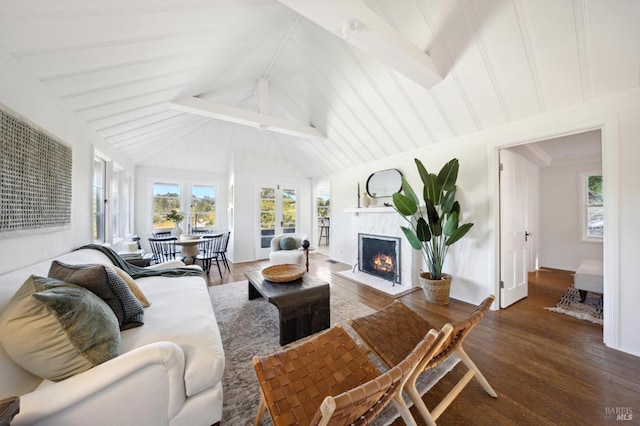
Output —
<point x="588" y="277"/>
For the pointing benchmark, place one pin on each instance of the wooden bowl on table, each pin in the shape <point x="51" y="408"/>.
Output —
<point x="283" y="273"/>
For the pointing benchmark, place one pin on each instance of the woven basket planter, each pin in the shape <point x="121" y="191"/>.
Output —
<point x="436" y="291"/>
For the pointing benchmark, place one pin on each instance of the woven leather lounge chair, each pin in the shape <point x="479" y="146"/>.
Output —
<point x="391" y="333"/>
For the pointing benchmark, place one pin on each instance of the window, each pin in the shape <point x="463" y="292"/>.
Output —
<point x="116" y="201"/>
<point x="324" y="206"/>
<point x="592" y="216"/>
<point x="166" y="197"/>
<point x="126" y="189"/>
<point x="99" y="181"/>
<point x="203" y="206"/>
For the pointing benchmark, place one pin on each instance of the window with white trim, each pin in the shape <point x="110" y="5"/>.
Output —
<point x="203" y="207"/>
<point x="592" y="206"/>
<point x="166" y="197"/>
<point x="99" y="200"/>
<point x="117" y="178"/>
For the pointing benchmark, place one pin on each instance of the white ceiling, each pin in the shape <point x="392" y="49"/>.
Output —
<point x="120" y="64"/>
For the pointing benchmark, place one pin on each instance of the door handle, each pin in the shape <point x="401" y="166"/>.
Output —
<point x="527" y="235"/>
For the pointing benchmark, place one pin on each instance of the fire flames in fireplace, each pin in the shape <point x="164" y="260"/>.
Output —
<point x="379" y="255"/>
<point x="382" y="262"/>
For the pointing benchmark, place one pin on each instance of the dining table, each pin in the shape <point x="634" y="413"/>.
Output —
<point x="189" y="244"/>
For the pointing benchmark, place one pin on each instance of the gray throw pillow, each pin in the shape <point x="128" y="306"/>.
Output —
<point x="288" y="243"/>
<point x="107" y="285"/>
<point x="55" y="329"/>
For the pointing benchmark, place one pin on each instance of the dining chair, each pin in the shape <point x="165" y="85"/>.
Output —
<point x="223" y="249"/>
<point x="161" y="234"/>
<point x="329" y="379"/>
<point x="391" y="333"/>
<point x="209" y="250"/>
<point x="164" y="249"/>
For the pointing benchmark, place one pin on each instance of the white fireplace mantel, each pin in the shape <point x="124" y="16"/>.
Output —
<point x="370" y="210"/>
<point x="385" y="221"/>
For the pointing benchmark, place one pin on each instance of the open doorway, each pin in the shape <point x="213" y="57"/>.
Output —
<point x="556" y="221"/>
<point x="323" y="217"/>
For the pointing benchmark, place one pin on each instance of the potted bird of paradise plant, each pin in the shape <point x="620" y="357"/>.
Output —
<point x="434" y="227"/>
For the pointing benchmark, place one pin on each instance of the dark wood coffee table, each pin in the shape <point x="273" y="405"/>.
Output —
<point x="303" y="304"/>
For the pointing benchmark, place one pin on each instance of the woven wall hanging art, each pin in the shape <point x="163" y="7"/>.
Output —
<point x="35" y="178"/>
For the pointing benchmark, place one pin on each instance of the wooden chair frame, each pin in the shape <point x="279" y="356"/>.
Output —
<point x="388" y="333"/>
<point x="329" y="378"/>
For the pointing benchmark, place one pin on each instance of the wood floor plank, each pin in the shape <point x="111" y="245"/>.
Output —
<point x="547" y="368"/>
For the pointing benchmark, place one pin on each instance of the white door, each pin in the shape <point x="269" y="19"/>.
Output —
<point x="514" y="209"/>
<point x="278" y="215"/>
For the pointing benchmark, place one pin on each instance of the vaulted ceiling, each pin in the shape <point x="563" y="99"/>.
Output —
<point x="124" y="66"/>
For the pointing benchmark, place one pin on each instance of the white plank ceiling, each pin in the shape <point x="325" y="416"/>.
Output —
<point x="120" y="64"/>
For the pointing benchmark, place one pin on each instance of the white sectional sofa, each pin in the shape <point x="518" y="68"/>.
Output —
<point x="168" y="371"/>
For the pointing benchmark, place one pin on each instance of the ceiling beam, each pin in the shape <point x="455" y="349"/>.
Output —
<point x="362" y="28"/>
<point x="246" y="117"/>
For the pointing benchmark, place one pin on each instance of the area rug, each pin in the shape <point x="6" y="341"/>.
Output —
<point x="589" y="310"/>
<point x="250" y="327"/>
<point x="375" y="282"/>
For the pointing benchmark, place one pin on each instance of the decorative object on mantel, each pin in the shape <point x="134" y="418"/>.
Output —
<point x="366" y="201"/>
<point x="358" y="194"/>
<point x="176" y="216"/>
<point x="36" y="171"/>
<point x="434" y="228"/>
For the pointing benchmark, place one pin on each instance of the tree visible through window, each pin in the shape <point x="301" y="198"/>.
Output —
<point x="166" y="197"/>
<point x="595" y="210"/>
<point x="324" y="206"/>
<point x="203" y="206"/>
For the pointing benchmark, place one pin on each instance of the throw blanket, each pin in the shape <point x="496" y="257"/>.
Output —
<point x="138" y="272"/>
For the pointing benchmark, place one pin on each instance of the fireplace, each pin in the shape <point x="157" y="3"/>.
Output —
<point x="379" y="255"/>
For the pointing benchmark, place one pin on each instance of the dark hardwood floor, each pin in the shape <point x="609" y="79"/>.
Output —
<point x="547" y="368"/>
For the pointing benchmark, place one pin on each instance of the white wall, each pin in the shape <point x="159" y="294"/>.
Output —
<point x="473" y="261"/>
<point x="561" y="246"/>
<point x="25" y="95"/>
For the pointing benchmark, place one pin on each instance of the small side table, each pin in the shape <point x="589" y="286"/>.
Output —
<point x="145" y="260"/>
<point x="9" y="407"/>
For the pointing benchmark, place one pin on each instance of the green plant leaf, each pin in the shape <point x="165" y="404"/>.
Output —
<point x="451" y="224"/>
<point x="412" y="238"/>
<point x="432" y="213"/>
<point x="455" y="207"/>
<point x="422" y="230"/>
<point x="459" y="233"/>
<point x="422" y="171"/>
<point x="432" y="191"/>
<point x="448" y="175"/>
<point x="449" y="199"/>
<point x="404" y="204"/>
<point x="436" y="229"/>
<point x="408" y="191"/>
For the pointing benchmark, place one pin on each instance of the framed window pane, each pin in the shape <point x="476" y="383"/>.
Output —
<point x="595" y="222"/>
<point x="203" y="206"/>
<point x="288" y="210"/>
<point x="594" y="191"/>
<point x="166" y="197"/>
<point x="99" y="178"/>
<point x="116" y="201"/>
<point x="592" y="201"/>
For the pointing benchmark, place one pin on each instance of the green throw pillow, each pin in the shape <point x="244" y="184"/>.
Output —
<point x="288" y="243"/>
<point x="107" y="285"/>
<point x="55" y="329"/>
